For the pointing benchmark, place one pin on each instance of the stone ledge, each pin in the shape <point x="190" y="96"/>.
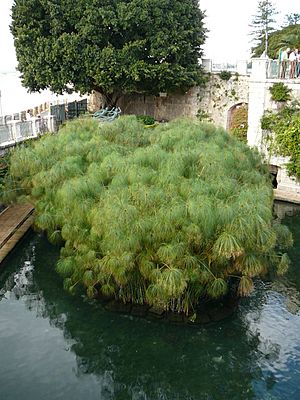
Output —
<point x="290" y="197"/>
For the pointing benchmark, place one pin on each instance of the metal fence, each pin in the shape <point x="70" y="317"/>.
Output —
<point x="5" y="134"/>
<point x="273" y="69"/>
<point x="63" y="112"/>
<point x="13" y="132"/>
<point x="14" y="129"/>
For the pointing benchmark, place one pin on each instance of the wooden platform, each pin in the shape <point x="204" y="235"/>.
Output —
<point x="14" y="223"/>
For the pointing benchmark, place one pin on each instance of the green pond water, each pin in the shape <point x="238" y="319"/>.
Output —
<point x="56" y="346"/>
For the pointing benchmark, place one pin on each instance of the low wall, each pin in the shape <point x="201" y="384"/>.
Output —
<point x="162" y="108"/>
<point x="214" y="101"/>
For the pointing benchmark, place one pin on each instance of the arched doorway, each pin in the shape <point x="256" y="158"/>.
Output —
<point x="237" y="120"/>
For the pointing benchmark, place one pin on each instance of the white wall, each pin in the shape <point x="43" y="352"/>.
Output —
<point x="260" y="101"/>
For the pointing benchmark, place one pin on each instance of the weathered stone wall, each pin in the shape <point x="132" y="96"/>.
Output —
<point x="285" y="182"/>
<point x="219" y="97"/>
<point x="162" y="107"/>
<point x="214" y="101"/>
<point x="259" y="101"/>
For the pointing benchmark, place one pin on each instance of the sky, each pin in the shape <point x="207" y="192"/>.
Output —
<point x="227" y="21"/>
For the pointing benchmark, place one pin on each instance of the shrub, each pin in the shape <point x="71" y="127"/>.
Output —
<point x="236" y="76"/>
<point x="285" y="135"/>
<point x="203" y="116"/>
<point x="225" y="75"/>
<point x="280" y="92"/>
<point x="4" y="160"/>
<point x="146" y="119"/>
<point x="163" y="218"/>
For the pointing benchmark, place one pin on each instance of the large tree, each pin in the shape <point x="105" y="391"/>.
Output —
<point x="263" y="23"/>
<point x="111" y="46"/>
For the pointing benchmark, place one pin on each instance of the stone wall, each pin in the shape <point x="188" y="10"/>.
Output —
<point x="215" y="101"/>
<point x="219" y="97"/>
<point x="259" y="101"/>
<point x="164" y="107"/>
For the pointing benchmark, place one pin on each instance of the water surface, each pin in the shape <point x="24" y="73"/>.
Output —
<point x="56" y="346"/>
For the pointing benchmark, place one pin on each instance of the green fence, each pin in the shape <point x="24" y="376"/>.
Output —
<point x="63" y="112"/>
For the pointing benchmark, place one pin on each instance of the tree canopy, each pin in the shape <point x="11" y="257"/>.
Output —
<point x="292" y="19"/>
<point x="282" y="38"/>
<point x="114" y="47"/>
<point x="164" y="216"/>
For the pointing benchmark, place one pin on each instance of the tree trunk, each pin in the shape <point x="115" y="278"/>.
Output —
<point x="109" y="100"/>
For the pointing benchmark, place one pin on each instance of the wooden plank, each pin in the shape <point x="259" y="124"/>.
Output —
<point x="14" y="223"/>
<point x="20" y="232"/>
<point x="11" y="219"/>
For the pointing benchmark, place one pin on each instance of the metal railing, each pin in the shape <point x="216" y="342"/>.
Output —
<point x="273" y="69"/>
<point x="241" y="67"/>
<point x="281" y="70"/>
<point x="67" y="111"/>
<point x="13" y="132"/>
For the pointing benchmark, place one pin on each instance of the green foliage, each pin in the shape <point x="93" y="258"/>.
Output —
<point x="225" y="75"/>
<point x="203" y="116"/>
<point x="4" y="160"/>
<point x="163" y="217"/>
<point x="239" y="122"/>
<point x="113" y="47"/>
<point x="280" y="92"/>
<point x="292" y="19"/>
<point x="146" y="119"/>
<point x="284" y="137"/>
<point x="278" y="40"/>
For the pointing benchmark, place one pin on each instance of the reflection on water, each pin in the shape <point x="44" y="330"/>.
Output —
<point x="282" y="209"/>
<point x="55" y="346"/>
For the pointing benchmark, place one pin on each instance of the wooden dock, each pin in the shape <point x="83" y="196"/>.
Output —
<point x="14" y="223"/>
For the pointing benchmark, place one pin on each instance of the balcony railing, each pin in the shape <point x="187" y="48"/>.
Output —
<point x="12" y="132"/>
<point x="264" y="68"/>
<point x="283" y="70"/>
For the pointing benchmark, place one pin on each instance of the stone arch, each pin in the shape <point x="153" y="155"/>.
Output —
<point x="232" y="113"/>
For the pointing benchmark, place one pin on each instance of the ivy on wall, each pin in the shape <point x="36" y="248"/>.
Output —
<point x="225" y="75"/>
<point x="203" y="116"/>
<point x="283" y="136"/>
<point x="280" y="92"/>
